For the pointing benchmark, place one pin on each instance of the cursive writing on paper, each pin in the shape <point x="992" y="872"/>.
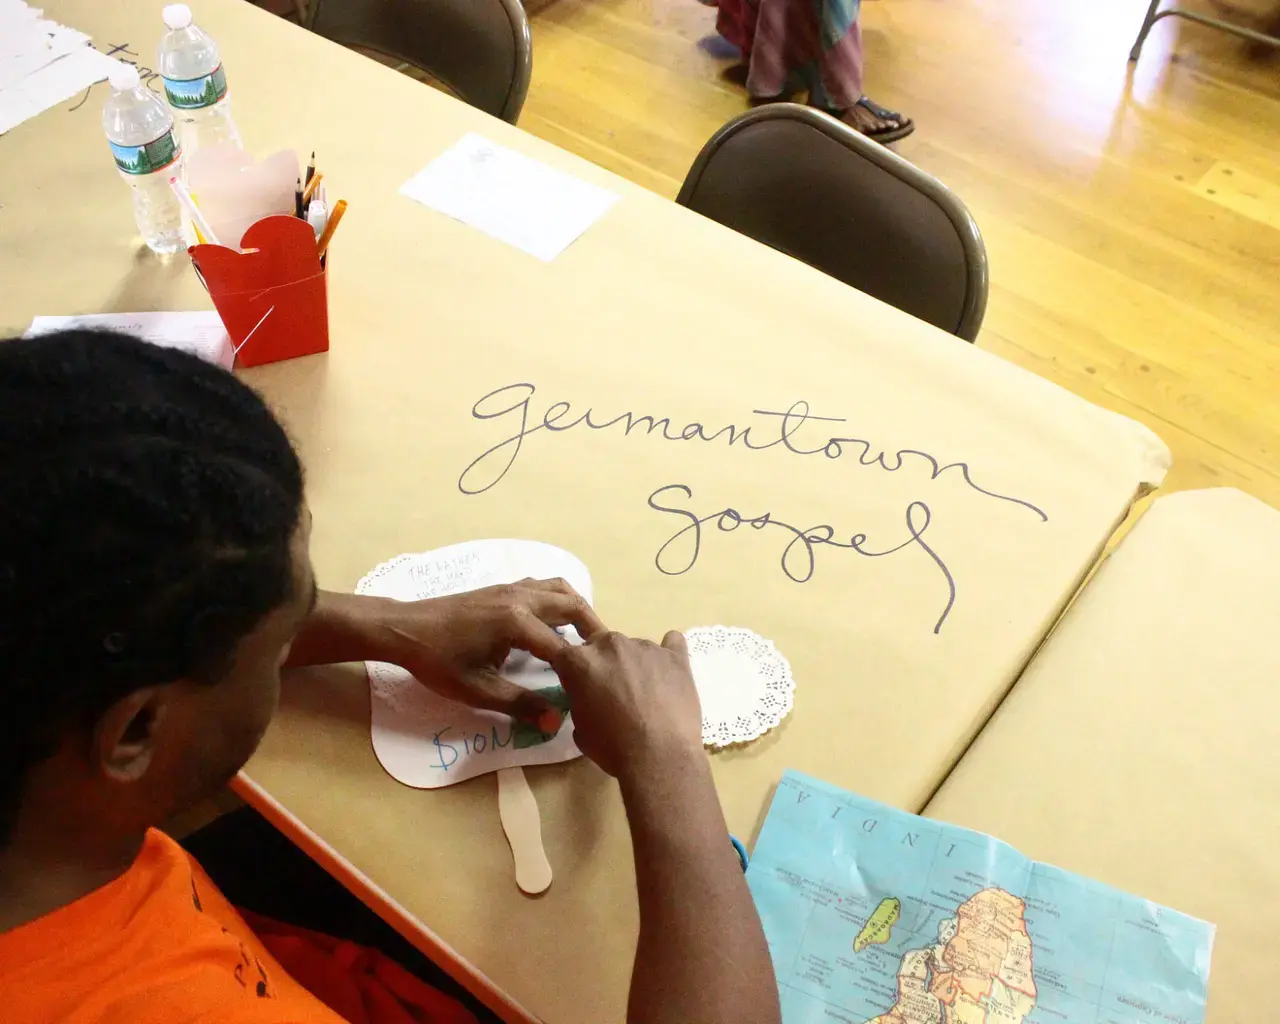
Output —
<point x="778" y="429"/>
<point x="795" y="430"/>
<point x="680" y="551"/>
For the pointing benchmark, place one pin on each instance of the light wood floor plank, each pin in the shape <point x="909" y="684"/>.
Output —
<point x="1131" y="213"/>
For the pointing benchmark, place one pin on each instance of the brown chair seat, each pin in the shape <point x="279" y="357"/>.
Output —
<point x="480" y="50"/>
<point x="804" y="183"/>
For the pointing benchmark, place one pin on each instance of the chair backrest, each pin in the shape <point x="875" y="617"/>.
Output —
<point x="479" y="49"/>
<point x="802" y="182"/>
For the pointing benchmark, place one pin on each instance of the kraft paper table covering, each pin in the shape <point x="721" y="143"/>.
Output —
<point x="654" y="311"/>
<point x="1142" y="747"/>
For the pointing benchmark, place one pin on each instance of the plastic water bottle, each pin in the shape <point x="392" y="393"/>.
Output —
<point x="194" y="82"/>
<point x="139" y="128"/>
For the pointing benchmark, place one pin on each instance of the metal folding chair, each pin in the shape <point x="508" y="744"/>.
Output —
<point x="1154" y="15"/>
<point x="808" y="185"/>
<point x="480" y="50"/>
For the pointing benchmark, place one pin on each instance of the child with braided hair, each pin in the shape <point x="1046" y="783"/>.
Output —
<point x="154" y="581"/>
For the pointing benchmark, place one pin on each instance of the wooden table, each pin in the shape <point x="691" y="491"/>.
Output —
<point x="1011" y="485"/>
<point x="1140" y="747"/>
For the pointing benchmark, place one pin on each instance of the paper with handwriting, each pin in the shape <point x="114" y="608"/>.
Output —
<point x="42" y="63"/>
<point x="199" y="333"/>
<point x="509" y="196"/>
<point x="426" y="741"/>
<point x="52" y="84"/>
<point x="29" y="41"/>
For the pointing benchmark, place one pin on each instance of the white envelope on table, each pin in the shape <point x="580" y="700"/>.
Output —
<point x="509" y="196"/>
<point x="200" y="332"/>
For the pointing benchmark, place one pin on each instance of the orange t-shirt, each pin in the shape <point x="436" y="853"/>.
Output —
<point x="161" y="945"/>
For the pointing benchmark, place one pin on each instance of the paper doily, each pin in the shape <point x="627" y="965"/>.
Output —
<point x="744" y="683"/>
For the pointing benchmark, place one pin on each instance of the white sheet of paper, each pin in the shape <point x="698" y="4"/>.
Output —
<point x="200" y="333"/>
<point x="428" y="742"/>
<point x="509" y="196"/>
<point x="51" y="85"/>
<point x="29" y="41"/>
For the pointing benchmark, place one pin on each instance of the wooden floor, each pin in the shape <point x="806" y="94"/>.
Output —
<point x="1131" y="214"/>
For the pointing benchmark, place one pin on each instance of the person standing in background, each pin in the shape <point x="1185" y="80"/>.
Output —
<point x="814" y="45"/>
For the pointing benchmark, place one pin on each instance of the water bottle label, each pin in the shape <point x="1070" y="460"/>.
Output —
<point x="154" y="156"/>
<point x="194" y="93"/>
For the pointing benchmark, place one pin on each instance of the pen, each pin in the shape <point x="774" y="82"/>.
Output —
<point x="298" y="197"/>
<point x="339" y="208"/>
<point x="193" y="211"/>
<point x="311" y="168"/>
<point x="309" y="192"/>
<point x="317" y="214"/>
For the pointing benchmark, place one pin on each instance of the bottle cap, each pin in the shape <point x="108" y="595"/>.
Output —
<point x="123" y="77"/>
<point x="177" y="15"/>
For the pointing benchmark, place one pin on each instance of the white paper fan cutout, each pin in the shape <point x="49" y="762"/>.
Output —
<point x="420" y="738"/>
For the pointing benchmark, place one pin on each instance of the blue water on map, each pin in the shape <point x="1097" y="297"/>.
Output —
<point x="827" y="859"/>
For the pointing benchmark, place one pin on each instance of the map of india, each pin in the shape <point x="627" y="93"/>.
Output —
<point x="877" y="916"/>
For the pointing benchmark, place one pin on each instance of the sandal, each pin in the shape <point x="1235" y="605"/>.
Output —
<point x="789" y="89"/>
<point x="900" y="129"/>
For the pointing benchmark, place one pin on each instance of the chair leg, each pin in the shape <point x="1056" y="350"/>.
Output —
<point x="1153" y="16"/>
<point x="1147" y="22"/>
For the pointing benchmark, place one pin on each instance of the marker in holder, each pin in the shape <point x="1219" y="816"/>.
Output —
<point x="272" y="296"/>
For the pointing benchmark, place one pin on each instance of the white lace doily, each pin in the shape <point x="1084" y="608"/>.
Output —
<point x="744" y="683"/>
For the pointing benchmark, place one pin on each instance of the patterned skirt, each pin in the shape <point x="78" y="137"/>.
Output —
<point x="787" y="44"/>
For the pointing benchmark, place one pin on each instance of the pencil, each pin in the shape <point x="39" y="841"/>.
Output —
<point x="200" y="239"/>
<point x="298" y="197"/>
<point x="311" y="168"/>
<point x="312" y="185"/>
<point x="339" y="208"/>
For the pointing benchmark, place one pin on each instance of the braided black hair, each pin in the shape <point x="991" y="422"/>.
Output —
<point x="147" y="503"/>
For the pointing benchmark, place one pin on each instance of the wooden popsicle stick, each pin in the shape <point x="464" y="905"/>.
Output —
<point x="521" y="823"/>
